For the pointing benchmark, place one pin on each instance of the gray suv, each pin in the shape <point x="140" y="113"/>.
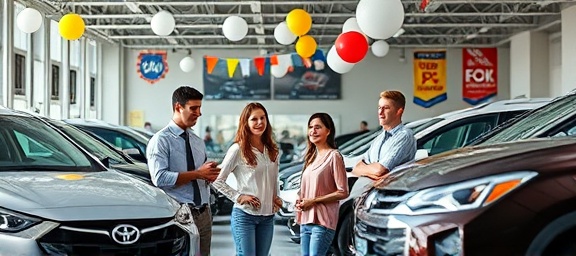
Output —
<point x="56" y="199"/>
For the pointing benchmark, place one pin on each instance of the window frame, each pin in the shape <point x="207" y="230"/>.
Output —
<point x="19" y="74"/>
<point x="55" y="81"/>
<point x="73" y="85"/>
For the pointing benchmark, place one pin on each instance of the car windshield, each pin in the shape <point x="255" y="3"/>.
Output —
<point x="28" y="144"/>
<point x="536" y="121"/>
<point x="92" y="145"/>
<point x="419" y="125"/>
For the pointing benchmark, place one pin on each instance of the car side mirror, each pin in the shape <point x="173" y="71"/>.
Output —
<point x="135" y="154"/>
<point x="421" y="153"/>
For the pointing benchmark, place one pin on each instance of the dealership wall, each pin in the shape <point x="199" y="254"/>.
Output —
<point x="360" y="88"/>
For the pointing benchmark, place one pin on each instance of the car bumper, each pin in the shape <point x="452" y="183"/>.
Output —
<point x="50" y="238"/>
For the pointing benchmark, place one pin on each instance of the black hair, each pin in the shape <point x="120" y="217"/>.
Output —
<point x="183" y="94"/>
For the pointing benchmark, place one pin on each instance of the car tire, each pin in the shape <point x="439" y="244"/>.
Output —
<point x="345" y="235"/>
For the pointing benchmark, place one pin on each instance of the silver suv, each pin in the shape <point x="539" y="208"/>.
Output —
<point x="56" y="199"/>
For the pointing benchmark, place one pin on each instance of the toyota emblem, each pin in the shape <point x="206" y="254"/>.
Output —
<point x="125" y="234"/>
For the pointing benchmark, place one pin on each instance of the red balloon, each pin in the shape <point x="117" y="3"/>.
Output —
<point x="351" y="46"/>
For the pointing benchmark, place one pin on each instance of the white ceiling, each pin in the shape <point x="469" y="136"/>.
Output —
<point x="444" y="23"/>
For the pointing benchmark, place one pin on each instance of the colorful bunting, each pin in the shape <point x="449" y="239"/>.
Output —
<point x="211" y="63"/>
<point x="245" y="67"/>
<point x="232" y="64"/>
<point x="260" y="63"/>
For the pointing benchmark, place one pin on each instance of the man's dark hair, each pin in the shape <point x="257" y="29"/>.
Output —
<point x="364" y="123"/>
<point x="183" y="94"/>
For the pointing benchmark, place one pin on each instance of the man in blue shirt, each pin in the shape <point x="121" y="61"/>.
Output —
<point x="177" y="162"/>
<point x="396" y="144"/>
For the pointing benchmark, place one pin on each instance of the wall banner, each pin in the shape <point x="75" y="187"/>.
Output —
<point x="480" y="74"/>
<point x="152" y="65"/>
<point x="429" y="78"/>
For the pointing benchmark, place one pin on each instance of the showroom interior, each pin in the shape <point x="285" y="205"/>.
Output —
<point x="127" y="57"/>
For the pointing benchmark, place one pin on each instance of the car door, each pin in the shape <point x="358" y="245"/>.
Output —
<point x="457" y="134"/>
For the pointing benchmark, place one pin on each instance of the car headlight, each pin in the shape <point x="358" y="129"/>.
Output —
<point x="15" y="222"/>
<point x="459" y="196"/>
<point x="184" y="215"/>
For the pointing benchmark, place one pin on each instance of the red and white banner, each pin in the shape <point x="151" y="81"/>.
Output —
<point x="480" y="74"/>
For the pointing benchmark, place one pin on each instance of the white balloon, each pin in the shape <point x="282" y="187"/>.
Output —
<point x="163" y="23"/>
<point x="380" y="19"/>
<point x="29" y="20"/>
<point x="351" y="24"/>
<point x="187" y="64"/>
<point x="283" y="35"/>
<point x="336" y="63"/>
<point x="380" y="48"/>
<point x="235" y="28"/>
<point x="278" y="71"/>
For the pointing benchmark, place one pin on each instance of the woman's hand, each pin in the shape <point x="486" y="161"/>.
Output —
<point x="250" y="200"/>
<point x="305" y="204"/>
<point x="277" y="204"/>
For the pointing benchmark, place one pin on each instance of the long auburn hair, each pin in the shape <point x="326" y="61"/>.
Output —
<point x="243" y="135"/>
<point x="311" y="151"/>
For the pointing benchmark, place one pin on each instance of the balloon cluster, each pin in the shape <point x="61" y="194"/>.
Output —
<point x="71" y="26"/>
<point x="297" y="25"/>
<point x="374" y="19"/>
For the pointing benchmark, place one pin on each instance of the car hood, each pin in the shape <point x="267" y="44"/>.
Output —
<point x="474" y="162"/>
<point x="83" y="196"/>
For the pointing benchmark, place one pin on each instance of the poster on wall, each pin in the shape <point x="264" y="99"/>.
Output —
<point x="480" y="74"/>
<point x="234" y="79"/>
<point x="152" y="65"/>
<point x="315" y="82"/>
<point x="429" y="78"/>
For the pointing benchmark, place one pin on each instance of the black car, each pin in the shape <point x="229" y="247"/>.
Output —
<point x="124" y="138"/>
<point x="514" y="198"/>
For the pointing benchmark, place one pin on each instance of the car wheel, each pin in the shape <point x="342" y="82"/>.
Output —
<point x="346" y="235"/>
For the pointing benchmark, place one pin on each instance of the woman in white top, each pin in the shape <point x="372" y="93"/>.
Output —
<point x="253" y="159"/>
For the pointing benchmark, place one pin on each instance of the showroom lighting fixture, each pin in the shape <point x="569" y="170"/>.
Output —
<point x="399" y="33"/>
<point x="484" y="29"/>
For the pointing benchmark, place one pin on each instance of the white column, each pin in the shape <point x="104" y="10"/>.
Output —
<point x="568" y="49"/>
<point x="529" y="65"/>
<point x="7" y="54"/>
<point x="47" y="70"/>
<point x="30" y="72"/>
<point x="65" y="85"/>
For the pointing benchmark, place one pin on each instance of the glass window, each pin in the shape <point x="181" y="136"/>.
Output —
<point x="457" y="135"/>
<point x="28" y="144"/>
<point x="55" y="82"/>
<point x="75" y="54"/>
<point x="92" y="91"/>
<point x="20" y="74"/>
<point x="73" y="82"/>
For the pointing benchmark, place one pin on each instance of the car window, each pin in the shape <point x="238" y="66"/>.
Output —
<point x="92" y="145"/>
<point x="29" y="143"/>
<point x="118" y="139"/>
<point x="457" y="135"/>
<point x="416" y="126"/>
<point x="361" y="145"/>
<point x="535" y="122"/>
<point x="568" y="129"/>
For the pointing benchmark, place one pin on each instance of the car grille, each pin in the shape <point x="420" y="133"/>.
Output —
<point x="388" y="199"/>
<point x="382" y="241"/>
<point x="158" y="237"/>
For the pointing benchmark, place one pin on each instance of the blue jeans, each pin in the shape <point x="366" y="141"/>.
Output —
<point x="252" y="233"/>
<point x="315" y="239"/>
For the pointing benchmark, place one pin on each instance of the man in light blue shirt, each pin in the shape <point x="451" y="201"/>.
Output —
<point x="396" y="144"/>
<point x="177" y="162"/>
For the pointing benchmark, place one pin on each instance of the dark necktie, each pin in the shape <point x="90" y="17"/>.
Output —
<point x="386" y="136"/>
<point x="191" y="166"/>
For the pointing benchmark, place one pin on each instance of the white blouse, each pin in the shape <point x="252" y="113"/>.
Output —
<point x="260" y="181"/>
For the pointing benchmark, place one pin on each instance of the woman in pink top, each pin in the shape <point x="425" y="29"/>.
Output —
<point x="323" y="185"/>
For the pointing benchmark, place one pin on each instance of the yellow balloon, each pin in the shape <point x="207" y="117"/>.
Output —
<point x="306" y="46"/>
<point x="299" y="22"/>
<point x="71" y="26"/>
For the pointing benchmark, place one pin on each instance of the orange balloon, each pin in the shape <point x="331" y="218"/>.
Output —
<point x="299" y="22"/>
<point x="306" y="46"/>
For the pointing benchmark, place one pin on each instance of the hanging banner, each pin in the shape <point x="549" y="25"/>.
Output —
<point x="480" y="74"/>
<point x="152" y="65"/>
<point x="224" y="83"/>
<point x="429" y="78"/>
<point x="245" y="67"/>
<point x="210" y="63"/>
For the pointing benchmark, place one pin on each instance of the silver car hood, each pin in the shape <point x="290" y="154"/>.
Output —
<point x="82" y="196"/>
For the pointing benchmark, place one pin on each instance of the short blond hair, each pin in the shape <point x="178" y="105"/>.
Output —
<point x="395" y="96"/>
